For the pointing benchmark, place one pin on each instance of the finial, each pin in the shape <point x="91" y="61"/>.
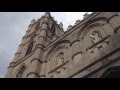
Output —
<point x="77" y="22"/>
<point x="33" y="21"/>
<point x="61" y="25"/>
<point x="86" y="15"/>
<point x="69" y="27"/>
<point x="47" y="14"/>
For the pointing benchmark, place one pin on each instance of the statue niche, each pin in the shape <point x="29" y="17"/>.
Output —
<point x="95" y="35"/>
<point x="60" y="58"/>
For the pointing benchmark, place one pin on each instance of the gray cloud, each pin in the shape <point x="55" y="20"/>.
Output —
<point x="13" y="26"/>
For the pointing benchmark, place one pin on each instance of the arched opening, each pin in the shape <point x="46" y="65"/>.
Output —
<point x="57" y="47"/>
<point x="29" y="50"/>
<point x="90" y="24"/>
<point x="113" y="72"/>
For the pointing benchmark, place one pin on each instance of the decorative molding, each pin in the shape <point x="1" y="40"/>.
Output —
<point x="43" y="29"/>
<point x="76" y="54"/>
<point x="117" y="29"/>
<point x="41" y="45"/>
<point x="17" y="53"/>
<point x="36" y="59"/>
<point x="11" y="66"/>
<point x="33" y="73"/>
<point x="27" y="31"/>
<point x="96" y="61"/>
<point x="24" y="58"/>
<point x="74" y="42"/>
<point x="45" y="22"/>
<point x="42" y="37"/>
<point x="12" y="62"/>
<point x="88" y="23"/>
<point x="73" y="29"/>
<point x="99" y="47"/>
<point x="57" y="44"/>
<point x="24" y="37"/>
<point x="98" y="43"/>
<point x="40" y="48"/>
<point x="21" y="45"/>
<point x="59" y="66"/>
<point x="111" y="17"/>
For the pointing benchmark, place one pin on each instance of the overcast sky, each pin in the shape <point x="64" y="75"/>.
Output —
<point x="13" y="26"/>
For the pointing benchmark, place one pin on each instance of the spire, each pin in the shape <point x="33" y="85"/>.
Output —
<point x="47" y="14"/>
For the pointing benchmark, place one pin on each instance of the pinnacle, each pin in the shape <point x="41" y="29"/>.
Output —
<point x="47" y="14"/>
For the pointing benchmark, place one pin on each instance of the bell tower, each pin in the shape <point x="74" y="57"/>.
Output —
<point x="28" y="60"/>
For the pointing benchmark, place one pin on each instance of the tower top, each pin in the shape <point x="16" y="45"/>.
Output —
<point x="47" y="14"/>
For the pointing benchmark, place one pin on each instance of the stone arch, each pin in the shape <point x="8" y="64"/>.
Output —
<point x="55" y="60"/>
<point x="112" y="72"/>
<point x="90" y="24"/>
<point x="57" y="47"/>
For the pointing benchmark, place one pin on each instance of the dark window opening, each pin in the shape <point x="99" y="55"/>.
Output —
<point x="20" y="73"/>
<point x="113" y="72"/>
<point x="29" y="50"/>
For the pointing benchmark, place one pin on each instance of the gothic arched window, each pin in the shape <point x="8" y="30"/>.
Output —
<point x="53" y="34"/>
<point x="29" y="50"/>
<point x="60" y="58"/>
<point x="20" y="73"/>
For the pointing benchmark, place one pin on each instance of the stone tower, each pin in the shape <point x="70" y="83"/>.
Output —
<point x="89" y="49"/>
<point x="28" y="61"/>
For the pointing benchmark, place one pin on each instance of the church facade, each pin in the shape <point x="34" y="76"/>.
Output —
<point x="89" y="49"/>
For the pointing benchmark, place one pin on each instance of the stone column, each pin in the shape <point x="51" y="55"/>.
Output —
<point x="37" y="62"/>
<point x="42" y="71"/>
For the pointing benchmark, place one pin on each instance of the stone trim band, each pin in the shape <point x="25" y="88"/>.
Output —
<point x="58" y="66"/>
<point x="36" y="59"/>
<point x="33" y="73"/>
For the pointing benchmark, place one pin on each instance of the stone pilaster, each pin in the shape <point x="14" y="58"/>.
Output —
<point x="37" y="66"/>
